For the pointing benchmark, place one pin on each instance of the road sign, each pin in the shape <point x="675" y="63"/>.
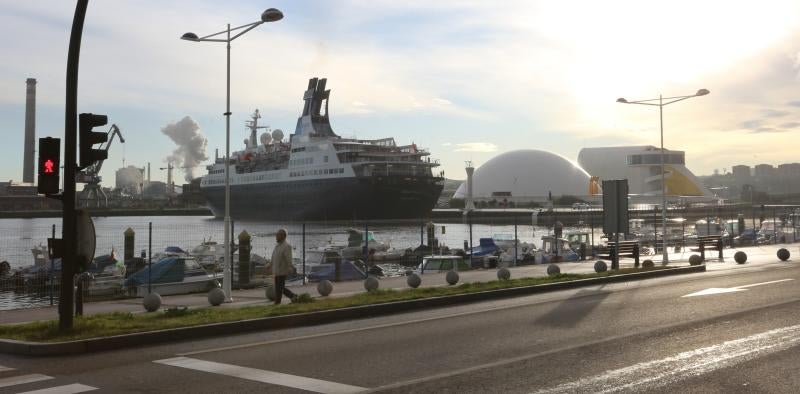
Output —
<point x="615" y="206"/>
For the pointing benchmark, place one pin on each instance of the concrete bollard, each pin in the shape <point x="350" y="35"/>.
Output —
<point x="324" y="288"/>
<point x="648" y="264"/>
<point x="783" y="254"/>
<point x="413" y="281"/>
<point x="371" y="283"/>
<point x="216" y="296"/>
<point x="600" y="266"/>
<point x="553" y="270"/>
<point x="244" y="259"/>
<point x="695" y="259"/>
<point x="740" y="257"/>
<point x="503" y="274"/>
<point x="151" y="302"/>
<point x="451" y="277"/>
<point x="269" y="291"/>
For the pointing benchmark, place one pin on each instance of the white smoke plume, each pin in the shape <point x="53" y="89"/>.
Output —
<point x="191" y="150"/>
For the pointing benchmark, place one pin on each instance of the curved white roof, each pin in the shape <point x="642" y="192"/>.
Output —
<point x="528" y="173"/>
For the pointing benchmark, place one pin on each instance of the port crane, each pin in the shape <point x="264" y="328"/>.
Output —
<point x="92" y="192"/>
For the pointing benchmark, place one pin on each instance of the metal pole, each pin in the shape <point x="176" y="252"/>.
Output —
<point x="227" y="277"/>
<point x="150" y="257"/>
<point x="53" y="268"/>
<point x="515" y="241"/>
<point x="469" y="221"/>
<point x="665" y="259"/>
<point x="69" y="226"/>
<point x="366" y="249"/>
<point x="304" y="253"/>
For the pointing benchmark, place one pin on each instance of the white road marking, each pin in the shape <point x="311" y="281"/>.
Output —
<point x="4" y="369"/>
<point x="693" y="363"/>
<point x="259" y="375"/>
<point x="721" y="290"/>
<point x="68" y="389"/>
<point x="22" y="379"/>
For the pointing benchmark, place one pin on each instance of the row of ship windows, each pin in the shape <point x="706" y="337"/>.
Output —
<point x="305" y="161"/>
<point x="248" y="178"/>
<point x="324" y="171"/>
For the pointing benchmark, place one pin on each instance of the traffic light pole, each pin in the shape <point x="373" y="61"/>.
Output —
<point x="69" y="227"/>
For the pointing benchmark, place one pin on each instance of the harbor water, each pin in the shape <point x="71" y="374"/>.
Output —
<point x="19" y="236"/>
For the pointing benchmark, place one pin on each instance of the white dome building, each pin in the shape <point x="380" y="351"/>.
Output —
<point x="527" y="175"/>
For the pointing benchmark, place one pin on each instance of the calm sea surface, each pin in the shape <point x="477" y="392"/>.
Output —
<point x="19" y="236"/>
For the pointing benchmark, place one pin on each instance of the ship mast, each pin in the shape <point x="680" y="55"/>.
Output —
<point x="253" y="126"/>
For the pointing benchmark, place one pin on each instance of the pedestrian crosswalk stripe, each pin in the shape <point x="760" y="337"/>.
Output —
<point x="22" y="379"/>
<point x="3" y="369"/>
<point x="67" y="389"/>
<point x="259" y="375"/>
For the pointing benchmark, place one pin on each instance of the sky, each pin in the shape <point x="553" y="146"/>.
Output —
<point x="467" y="80"/>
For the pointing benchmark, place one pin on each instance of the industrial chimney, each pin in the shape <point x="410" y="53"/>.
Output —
<point x="29" y="150"/>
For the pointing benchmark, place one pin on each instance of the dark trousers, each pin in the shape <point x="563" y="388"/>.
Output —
<point x="280" y="289"/>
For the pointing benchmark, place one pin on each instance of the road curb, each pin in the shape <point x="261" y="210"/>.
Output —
<point x="36" y="349"/>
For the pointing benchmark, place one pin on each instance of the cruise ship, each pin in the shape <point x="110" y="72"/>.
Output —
<point x="317" y="175"/>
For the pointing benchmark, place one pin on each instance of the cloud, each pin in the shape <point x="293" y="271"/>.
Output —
<point x="446" y="144"/>
<point x="771" y="113"/>
<point x="482" y="147"/>
<point x="767" y="130"/>
<point x="795" y="103"/>
<point x="790" y="125"/>
<point x="751" y="124"/>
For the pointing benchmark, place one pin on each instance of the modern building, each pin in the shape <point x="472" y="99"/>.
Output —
<point x="527" y="176"/>
<point x="641" y="166"/>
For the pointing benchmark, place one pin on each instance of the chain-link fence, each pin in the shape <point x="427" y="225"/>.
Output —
<point x="176" y="255"/>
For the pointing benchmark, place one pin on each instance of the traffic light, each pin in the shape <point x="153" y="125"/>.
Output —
<point x="88" y="138"/>
<point x="49" y="161"/>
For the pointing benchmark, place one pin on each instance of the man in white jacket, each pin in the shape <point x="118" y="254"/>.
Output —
<point x="282" y="266"/>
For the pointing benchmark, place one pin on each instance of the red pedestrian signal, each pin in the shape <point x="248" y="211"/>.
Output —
<point x="49" y="159"/>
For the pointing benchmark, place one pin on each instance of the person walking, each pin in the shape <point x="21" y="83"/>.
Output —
<point x="282" y="266"/>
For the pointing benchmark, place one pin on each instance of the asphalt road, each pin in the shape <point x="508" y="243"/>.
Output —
<point x="627" y="337"/>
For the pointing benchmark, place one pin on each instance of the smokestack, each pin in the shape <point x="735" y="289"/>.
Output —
<point x="29" y="149"/>
<point x="469" y="204"/>
<point x="148" y="174"/>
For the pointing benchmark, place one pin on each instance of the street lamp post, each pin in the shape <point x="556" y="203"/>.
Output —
<point x="270" y="15"/>
<point x="660" y="102"/>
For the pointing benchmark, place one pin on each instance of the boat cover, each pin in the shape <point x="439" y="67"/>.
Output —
<point x="166" y="270"/>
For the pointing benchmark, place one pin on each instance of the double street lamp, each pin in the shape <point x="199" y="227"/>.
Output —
<point x="660" y="102"/>
<point x="270" y="15"/>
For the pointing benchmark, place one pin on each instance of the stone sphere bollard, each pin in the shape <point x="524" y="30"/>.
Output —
<point x="413" y="281"/>
<point x="269" y="291"/>
<point x="503" y="274"/>
<point x="648" y="264"/>
<point x="695" y="259"/>
<point x="600" y="266"/>
<point x="740" y="257"/>
<point x="553" y="270"/>
<point x="324" y="288"/>
<point x="216" y="296"/>
<point x="451" y="277"/>
<point x="152" y="302"/>
<point x="783" y="254"/>
<point x="371" y="283"/>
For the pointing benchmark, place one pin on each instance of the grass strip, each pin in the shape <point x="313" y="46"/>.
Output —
<point x="117" y="323"/>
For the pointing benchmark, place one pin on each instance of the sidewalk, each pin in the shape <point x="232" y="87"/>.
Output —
<point x="757" y="255"/>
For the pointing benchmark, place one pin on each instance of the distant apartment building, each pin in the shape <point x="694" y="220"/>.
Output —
<point x="741" y="172"/>
<point x="764" y="170"/>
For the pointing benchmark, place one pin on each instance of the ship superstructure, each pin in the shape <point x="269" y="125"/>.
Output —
<point x="318" y="175"/>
